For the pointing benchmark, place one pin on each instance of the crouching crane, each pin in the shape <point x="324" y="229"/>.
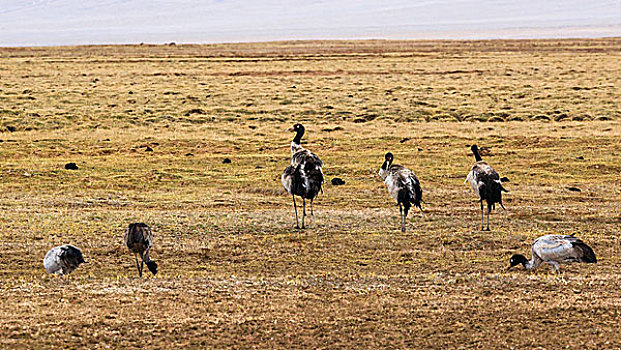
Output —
<point x="62" y="260"/>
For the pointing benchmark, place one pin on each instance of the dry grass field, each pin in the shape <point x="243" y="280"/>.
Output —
<point x="234" y="273"/>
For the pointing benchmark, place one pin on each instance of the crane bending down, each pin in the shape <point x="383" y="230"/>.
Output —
<point x="555" y="250"/>
<point x="139" y="240"/>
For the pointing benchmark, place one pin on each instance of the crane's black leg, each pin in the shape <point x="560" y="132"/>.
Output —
<point x="405" y="217"/>
<point x="303" y="210"/>
<point x="401" y="217"/>
<point x="312" y="214"/>
<point x="489" y="209"/>
<point x="482" y="222"/>
<point x="138" y="265"/>
<point x="297" y="225"/>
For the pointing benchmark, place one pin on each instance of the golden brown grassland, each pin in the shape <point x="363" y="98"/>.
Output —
<point x="233" y="272"/>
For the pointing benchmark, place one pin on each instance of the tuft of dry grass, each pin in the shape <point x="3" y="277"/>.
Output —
<point x="233" y="271"/>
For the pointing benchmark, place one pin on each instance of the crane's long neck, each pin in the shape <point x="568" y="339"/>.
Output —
<point x="477" y="156"/>
<point x="532" y="264"/>
<point x="298" y="136"/>
<point x="385" y="165"/>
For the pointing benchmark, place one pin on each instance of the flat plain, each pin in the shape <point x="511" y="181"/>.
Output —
<point x="234" y="273"/>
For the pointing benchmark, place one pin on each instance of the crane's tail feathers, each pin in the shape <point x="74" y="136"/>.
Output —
<point x="587" y="256"/>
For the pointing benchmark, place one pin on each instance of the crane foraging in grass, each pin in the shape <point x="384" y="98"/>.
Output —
<point x="62" y="260"/>
<point x="304" y="177"/>
<point x="486" y="183"/>
<point x="555" y="250"/>
<point x="139" y="240"/>
<point x="402" y="185"/>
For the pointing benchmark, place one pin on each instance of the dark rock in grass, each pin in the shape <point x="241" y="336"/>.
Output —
<point x="148" y="149"/>
<point x="252" y="127"/>
<point x="11" y="128"/>
<point x="580" y="157"/>
<point x="194" y="111"/>
<point x="226" y="161"/>
<point x="574" y="189"/>
<point x="404" y="140"/>
<point x="504" y="179"/>
<point x="71" y="166"/>
<point x="337" y="181"/>
<point x="336" y="128"/>
<point x="189" y="155"/>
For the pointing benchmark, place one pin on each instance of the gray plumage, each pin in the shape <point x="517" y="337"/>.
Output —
<point x="555" y="250"/>
<point x="402" y="185"/>
<point x="486" y="183"/>
<point x="304" y="177"/>
<point x="62" y="260"/>
<point x="139" y="240"/>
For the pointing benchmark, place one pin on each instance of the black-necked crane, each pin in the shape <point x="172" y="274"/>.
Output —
<point x="304" y="177"/>
<point x="62" y="260"/>
<point x="555" y="250"/>
<point x="139" y="240"/>
<point x="402" y="185"/>
<point x="485" y="182"/>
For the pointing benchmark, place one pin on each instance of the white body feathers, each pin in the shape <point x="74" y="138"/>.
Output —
<point x="63" y="259"/>
<point x="559" y="249"/>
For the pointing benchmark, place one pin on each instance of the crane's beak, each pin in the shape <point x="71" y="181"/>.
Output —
<point x="289" y="129"/>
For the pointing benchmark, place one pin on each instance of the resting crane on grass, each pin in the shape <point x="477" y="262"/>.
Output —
<point x="486" y="183"/>
<point x="402" y="185"/>
<point x="304" y="177"/>
<point x="62" y="260"/>
<point x="555" y="250"/>
<point x="139" y="240"/>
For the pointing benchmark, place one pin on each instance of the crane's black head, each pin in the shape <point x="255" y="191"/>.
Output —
<point x="475" y="151"/>
<point x="299" y="132"/>
<point x="152" y="266"/>
<point x="387" y="160"/>
<point x="517" y="259"/>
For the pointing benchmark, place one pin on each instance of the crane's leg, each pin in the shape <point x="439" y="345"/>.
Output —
<point x="138" y="265"/>
<point x="401" y="218"/>
<point x="489" y="209"/>
<point x="303" y="210"/>
<point x="555" y="266"/>
<point x="482" y="222"/>
<point x="146" y="255"/>
<point x="141" y="263"/>
<point x="297" y="225"/>
<point x="405" y="218"/>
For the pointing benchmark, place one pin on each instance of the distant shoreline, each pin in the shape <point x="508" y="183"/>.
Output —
<point x="516" y="35"/>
